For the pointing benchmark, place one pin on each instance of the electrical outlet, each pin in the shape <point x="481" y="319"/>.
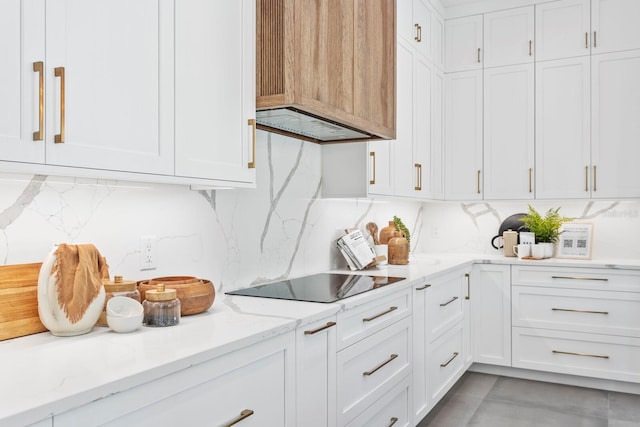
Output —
<point x="147" y="253"/>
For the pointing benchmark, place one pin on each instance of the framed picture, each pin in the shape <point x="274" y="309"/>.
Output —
<point x="576" y="240"/>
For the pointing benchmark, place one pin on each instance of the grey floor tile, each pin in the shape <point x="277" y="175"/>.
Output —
<point x="454" y="411"/>
<point x="624" y="407"/>
<point x="506" y="414"/>
<point x="556" y="397"/>
<point x="474" y="384"/>
<point x="622" y="423"/>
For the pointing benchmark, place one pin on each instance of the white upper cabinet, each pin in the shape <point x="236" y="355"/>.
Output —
<point x="563" y="129"/>
<point x="463" y="43"/>
<point x="414" y="24"/>
<point x="109" y="83"/>
<point x="213" y="103"/>
<point x="508" y="37"/>
<point x="615" y="25"/>
<point x="615" y="131"/>
<point x="22" y="80"/>
<point x="562" y="29"/>
<point x="463" y="136"/>
<point x="509" y="132"/>
<point x="437" y="40"/>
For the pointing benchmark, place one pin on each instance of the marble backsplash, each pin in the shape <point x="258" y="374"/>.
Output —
<point x="237" y="238"/>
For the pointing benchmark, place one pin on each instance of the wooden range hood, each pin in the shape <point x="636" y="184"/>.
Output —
<point x="326" y="69"/>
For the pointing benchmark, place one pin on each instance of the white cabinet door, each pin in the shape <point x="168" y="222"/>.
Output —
<point x="215" y="89"/>
<point x="435" y="175"/>
<point x="508" y="37"/>
<point x="615" y="25"/>
<point x="491" y="314"/>
<point x="422" y="160"/>
<point x="563" y="29"/>
<point x="420" y="347"/>
<point x="463" y="136"/>
<point x="110" y="98"/>
<point x="316" y="374"/>
<point x="381" y="177"/>
<point x="509" y="132"/>
<point x="562" y="129"/>
<point x="615" y="132"/>
<point x="437" y="40"/>
<point x="463" y="43"/>
<point x="422" y="15"/>
<point x="22" y="50"/>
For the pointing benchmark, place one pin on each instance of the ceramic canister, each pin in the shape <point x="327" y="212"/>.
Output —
<point x="510" y="240"/>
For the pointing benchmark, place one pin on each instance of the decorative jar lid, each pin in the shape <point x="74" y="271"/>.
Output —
<point x="161" y="294"/>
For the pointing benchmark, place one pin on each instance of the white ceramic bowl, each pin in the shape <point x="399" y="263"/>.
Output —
<point x="124" y="324"/>
<point x="124" y="307"/>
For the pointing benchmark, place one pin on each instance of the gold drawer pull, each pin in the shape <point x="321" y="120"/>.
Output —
<point x="468" y="277"/>
<point x="580" y="311"/>
<point x="252" y="163"/>
<point x="444" y="304"/>
<point x="595" y="39"/>
<point x="367" y="373"/>
<point x="59" y="72"/>
<point x="586" y="40"/>
<point x="530" y="45"/>
<point x="598" y="279"/>
<point x="244" y="414"/>
<point x="579" y="354"/>
<point x="478" y="179"/>
<point x="422" y="288"/>
<point x="392" y="421"/>
<point x="372" y="154"/>
<point x="38" y="67"/>
<point x="369" y="319"/>
<point x="418" y="167"/>
<point x="595" y="178"/>
<point x="530" y="180"/>
<point x="478" y="55"/>
<point x="321" y="328"/>
<point x="444" y="365"/>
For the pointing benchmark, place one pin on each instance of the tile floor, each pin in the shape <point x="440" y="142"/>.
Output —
<point x="483" y="400"/>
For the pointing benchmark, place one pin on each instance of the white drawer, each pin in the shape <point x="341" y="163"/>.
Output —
<point x="392" y="409"/>
<point x="369" y="369"/>
<point x="600" y="356"/>
<point x="598" y="312"/>
<point x="360" y="322"/>
<point x="445" y="362"/>
<point x="577" y="278"/>
<point x="444" y="303"/>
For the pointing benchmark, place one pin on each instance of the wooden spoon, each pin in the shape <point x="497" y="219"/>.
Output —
<point x="372" y="228"/>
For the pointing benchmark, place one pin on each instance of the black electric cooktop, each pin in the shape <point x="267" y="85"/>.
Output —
<point x="323" y="287"/>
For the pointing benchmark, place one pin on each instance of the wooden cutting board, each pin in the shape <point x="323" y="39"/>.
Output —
<point x="19" y="300"/>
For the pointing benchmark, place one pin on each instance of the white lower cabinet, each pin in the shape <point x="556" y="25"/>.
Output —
<point x="441" y="339"/>
<point x="491" y="314"/>
<point x="391" y="410"/>
<point x="316" y="374"/>
<point x="254" y="384"/>
<point x="580" y="321"/>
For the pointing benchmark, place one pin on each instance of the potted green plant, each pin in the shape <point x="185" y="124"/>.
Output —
<point x="546" y="228"/>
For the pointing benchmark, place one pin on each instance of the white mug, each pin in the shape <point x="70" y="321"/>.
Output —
<point x="537" y="251"/>
<point x="527" y="237"/>
<point x="522" y="250"/>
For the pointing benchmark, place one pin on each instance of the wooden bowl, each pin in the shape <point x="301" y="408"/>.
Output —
<point x="195" y="295"/>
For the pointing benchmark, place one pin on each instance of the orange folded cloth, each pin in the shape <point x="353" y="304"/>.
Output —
<point x="80" y="271"/>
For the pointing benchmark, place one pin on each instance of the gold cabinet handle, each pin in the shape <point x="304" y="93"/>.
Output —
<point x="422" y="288"/>
<point x="369" y="319"/>
<point x="586" y="178"/>
<point x="468" y="277"/>
<point x="321" y="328"/>
<point x="595" y="178"/>
<point x="530" y="180"/>
<point x="580" y="311"/>
<point x="444" y="304"/>
<point x="252" y="163"/>
<point x="418" y="167"/>
<point x="478" y="55"/>
<point x="478" y="182"/>
<point x="418" y="36"/>
<point x="392" y="421"/>
<point x="367" y="373"/>
<point x="586" y="40"/>
<point x="530" y="47"/>
<point x="38" y="67"/>
<point x="595" y="39"/>
<point x="599" y="279"/>
<point x="372" y="154"/>
<point x="59" y="72"/>
<point x="444" y="365"/>
<point x="244" y="414"/>
<point x="579" y="354"/>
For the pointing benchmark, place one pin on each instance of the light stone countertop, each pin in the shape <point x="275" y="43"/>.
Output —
<point x="43" y="375"/>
